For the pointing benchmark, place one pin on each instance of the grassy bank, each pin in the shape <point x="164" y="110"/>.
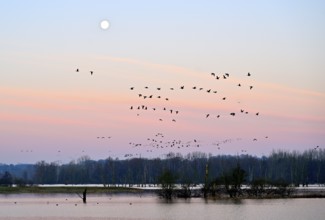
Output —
<point x="37" y="189"/>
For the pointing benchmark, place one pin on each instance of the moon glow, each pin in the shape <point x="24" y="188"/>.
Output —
<point x="104" y="24"/>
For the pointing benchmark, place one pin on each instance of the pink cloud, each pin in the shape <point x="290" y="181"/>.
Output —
<point x="95" y="112"/>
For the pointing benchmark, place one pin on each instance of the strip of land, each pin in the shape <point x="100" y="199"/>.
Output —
<point x="295" y="192"/>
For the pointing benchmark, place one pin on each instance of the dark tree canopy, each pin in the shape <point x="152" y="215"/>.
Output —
<point x="289" y="167"/>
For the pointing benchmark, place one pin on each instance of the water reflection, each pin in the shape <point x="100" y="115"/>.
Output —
<point x="224" y="201"/>
<point x="147" y="207"/>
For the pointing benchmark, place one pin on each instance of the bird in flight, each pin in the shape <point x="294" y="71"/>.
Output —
<point x="131" y="88"/>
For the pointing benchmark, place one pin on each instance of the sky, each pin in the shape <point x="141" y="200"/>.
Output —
<point x="50" y="112"/>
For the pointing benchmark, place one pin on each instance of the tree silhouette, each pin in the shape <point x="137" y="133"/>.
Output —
<point x="6" y="179"/>
<point x="167" y="181"/>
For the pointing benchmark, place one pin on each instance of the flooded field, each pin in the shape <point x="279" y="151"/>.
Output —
<point x="137" y="207"/>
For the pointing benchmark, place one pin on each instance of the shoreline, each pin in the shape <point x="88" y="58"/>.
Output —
<point x="297" y="192"/>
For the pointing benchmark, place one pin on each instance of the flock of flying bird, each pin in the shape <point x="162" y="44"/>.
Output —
<point x="151" y="96"/>
<point x="158" y="141"/>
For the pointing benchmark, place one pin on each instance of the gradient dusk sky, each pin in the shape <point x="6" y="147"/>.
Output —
<point x="50" y="112"/>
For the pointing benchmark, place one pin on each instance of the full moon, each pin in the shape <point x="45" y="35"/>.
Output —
<point x="104" y="24"/>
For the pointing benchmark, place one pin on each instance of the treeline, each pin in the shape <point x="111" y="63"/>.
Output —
<point x="194" y="168"/>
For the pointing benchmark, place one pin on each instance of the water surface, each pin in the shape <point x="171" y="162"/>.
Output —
<point x="136" y="207"/>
